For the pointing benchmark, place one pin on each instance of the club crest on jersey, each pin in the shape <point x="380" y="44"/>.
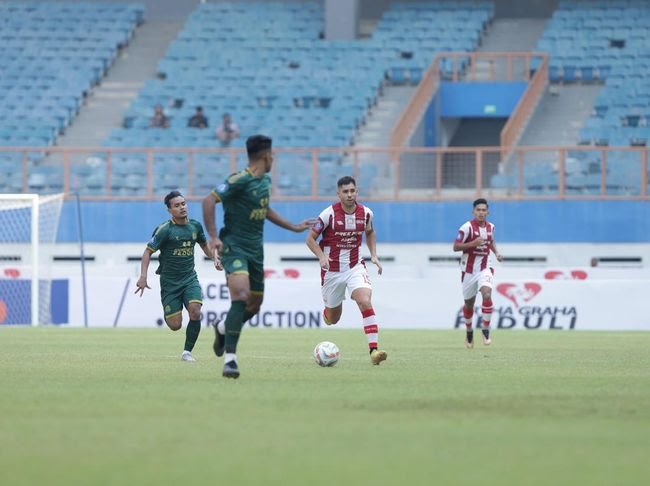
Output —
<point x="350" y="222"/>
<point x="237" y="264"/>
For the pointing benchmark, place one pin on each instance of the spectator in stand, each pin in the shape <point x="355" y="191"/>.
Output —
<point x="159" y="119"/>
<point x="227" y="130"/>
<point x="198" y="120"/>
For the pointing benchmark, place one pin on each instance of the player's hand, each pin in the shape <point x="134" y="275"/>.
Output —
<point x="375" y="260"/>
<point x="217" y="263"/>
<point x="324" y="263"/>
<point x="141" y="284"/>
<point x="305" y="225"/>
<point x="215" y="245"/>
<point x="477" y="242"/>
<point x="499" y="257"/>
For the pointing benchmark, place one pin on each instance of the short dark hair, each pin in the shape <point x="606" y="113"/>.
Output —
<point x="346" y="180"/>
<point x="258" y="143"/>
<point x="199" y="108"/>
<point x="171" y="196"/>
<point x="480" y="200"/>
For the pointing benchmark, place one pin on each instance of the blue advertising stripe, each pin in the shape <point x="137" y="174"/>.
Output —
<point x="59" y="301"/>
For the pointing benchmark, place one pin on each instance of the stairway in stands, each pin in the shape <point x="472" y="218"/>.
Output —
<point x="135" y="64"/>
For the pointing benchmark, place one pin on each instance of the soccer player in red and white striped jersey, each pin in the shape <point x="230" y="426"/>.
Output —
<point x="341" y="227"/>
<point x="476" y="239"/>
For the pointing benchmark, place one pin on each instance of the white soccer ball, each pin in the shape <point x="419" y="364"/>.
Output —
<point x="326" y="354"/>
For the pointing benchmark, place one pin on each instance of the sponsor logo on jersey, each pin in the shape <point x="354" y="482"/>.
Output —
<point x="223" y="187"/>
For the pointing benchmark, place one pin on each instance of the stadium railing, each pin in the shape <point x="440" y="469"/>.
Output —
<point x="477" y="67"/>
<point x="391" y="174"/>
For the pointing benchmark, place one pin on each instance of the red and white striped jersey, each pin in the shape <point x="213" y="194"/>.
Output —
<point x="475" y="259"/>
<point x="341" y="234"/>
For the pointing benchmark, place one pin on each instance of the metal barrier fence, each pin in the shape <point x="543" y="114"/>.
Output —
<point x="390" y="174"/>
<point x="477" y="67"/>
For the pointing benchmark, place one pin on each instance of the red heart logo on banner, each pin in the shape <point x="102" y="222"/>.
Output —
<point x="286" y="273"/>
<point x="12" y="272"/>
<point x="516" y="294"/>
<point x="560" y="275"/>
<point x="578" y="274"/>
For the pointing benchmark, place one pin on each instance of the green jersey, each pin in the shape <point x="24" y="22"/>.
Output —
<point x="176" y="245"/>
<point x="245" y="200"/>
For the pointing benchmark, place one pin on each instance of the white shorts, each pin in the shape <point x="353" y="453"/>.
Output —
<point x="335" y="283"/>
<point x="472" y="282"/>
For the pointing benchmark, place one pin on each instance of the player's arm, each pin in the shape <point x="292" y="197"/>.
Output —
<point x="211" y="254"/>
<point x="141" y="284"/>
<point x="371" y="242"/>
<point x="312" y="244"/>
<point x="209" y="221"/>
<point x="493" y="247"/>
<point x="278" y="220"/>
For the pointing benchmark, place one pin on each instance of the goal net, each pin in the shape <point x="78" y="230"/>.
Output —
<point x="29" y="225"/>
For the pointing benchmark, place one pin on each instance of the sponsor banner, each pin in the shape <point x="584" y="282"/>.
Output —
<point x="294" y="301"/>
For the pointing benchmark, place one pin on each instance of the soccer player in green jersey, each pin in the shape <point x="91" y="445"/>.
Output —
<point x="179" y="285"/>
<point x="245" y="197"/>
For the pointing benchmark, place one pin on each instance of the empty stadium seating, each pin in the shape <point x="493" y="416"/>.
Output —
<point x="282" y="79"/>
<point x="605" y="41"/>
<point x="51" y="55"/>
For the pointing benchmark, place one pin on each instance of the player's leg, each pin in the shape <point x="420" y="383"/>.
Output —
<point x="172" y="300"/>
<point x="253" y="304"/>
<point x="333" y="292"/>
<point x="485" y="287"/>
<point x="256" y="297"/>
<point x="469" y="283"/>
<point x="239" y="287"/>
<point x="193" y="303"/>
<point x="171" y="296"/>
<point x="361" y="292"/>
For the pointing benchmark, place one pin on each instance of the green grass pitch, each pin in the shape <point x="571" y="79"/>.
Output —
<point x="117" y="406"/>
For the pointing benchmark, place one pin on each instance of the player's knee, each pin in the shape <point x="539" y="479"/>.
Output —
<point x="242" y="294"/>
<point x="174" y="324"/>
<point x="195" y="314"/>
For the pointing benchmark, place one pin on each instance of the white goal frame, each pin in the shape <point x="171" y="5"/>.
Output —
<point x="32" y="200"/>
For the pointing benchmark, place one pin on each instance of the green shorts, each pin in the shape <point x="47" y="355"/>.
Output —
<point x="236" y="261"/>
<point x="175" y="295"/>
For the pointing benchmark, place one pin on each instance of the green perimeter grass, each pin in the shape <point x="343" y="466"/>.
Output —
<point x="105" y="406"/>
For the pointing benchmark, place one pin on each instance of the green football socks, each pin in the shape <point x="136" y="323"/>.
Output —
<point x="234" y="323"/>
<point x="192" y="334"/>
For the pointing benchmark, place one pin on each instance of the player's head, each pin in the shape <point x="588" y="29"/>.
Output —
<point x="176" y="205"/>
<point x="260" y="148"/>
<point x="346" y="190"/>
<point x="480" y="210"/>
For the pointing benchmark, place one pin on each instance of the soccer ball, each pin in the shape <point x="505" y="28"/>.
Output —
<point x="326" y="354"/>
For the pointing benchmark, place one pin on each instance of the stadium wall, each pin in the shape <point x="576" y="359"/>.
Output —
<point x="483" y="100"/>
<point x="591" y="221"/>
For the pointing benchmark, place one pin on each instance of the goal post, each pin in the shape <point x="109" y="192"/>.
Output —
<point x="29" y="224"/>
